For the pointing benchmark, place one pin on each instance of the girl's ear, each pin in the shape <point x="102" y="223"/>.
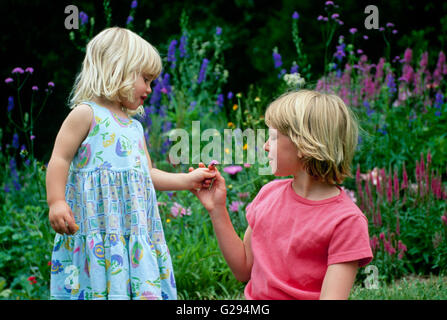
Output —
<point x="300" y="154"/>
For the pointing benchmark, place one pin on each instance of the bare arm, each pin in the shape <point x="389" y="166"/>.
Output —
<point x="166" y="181"/>
<point x="338" y="281"/>
<point x="71" y="134"/>
<point x="236" y="252"/>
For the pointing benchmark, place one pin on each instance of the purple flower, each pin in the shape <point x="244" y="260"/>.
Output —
<point x="129" y="20"/>
<point x="365" y="37"/>
<point x="277" y="59"/>
<point x="294" y="69"/>
<point x="335" y="16"/>
<point x="329" y="3"/>
<point x="35" y="88"/>
<point x="214" y="163"/>
<point x="340" y="53"/>
<point x="18" y="70"/>
<point x="353" y="30"/>
<point x="394" y="31"/>
<point x="220" y="100"/>
<point x="8" y="80"/>
<point x="15" y="141"/>
<point x="295" y="15"/>
<point x="134" y="4"/>
<point x="235" y="206"/>
<point x="29" y="69"/>
<point x="182" y="46"/>
<point x="10" y="103"/>
<point x="171" y="53"/>
<point x="202" y="73"/>
<point x="218" y="31"/>
<point x="391" y="84"/>
<point x="84" y="17"/>
<point x="230" y="95"/>
<point x="439" y="100"/>
<point x="390" y="25"/>
<point x="320" y="17"/>
<point x="232" y="170"/>
<point x="51" y="84"/>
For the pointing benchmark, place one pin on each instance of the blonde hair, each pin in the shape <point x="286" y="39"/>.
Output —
<point x="113" y="60"/>
<point x="322" y="127"/>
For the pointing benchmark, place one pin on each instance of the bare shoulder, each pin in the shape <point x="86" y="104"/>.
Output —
<point x="80" y="117"/>
<point x="82" y="112"/>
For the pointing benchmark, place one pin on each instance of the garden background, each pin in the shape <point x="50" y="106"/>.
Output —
<point x="224" y="62"/>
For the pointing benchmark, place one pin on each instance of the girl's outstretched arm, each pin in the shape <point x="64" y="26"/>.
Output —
<point x="71" y="134"/>
<point x="167" y="181"/>
<point x="236" y="252"/>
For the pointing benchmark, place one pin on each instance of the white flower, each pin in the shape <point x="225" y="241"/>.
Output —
<point x="294" y="80"/>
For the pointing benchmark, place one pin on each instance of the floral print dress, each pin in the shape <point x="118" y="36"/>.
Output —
<point x="119" y="251"/>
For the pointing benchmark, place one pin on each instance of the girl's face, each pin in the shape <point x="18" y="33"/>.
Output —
<point x="282" y="153"/>
<point x="142" y="91"/>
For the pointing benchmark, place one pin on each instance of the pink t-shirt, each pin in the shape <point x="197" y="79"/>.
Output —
<point x="294" y="240"/>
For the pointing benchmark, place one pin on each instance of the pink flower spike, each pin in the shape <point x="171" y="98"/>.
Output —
<point x="444" y="220"/>
<point x="35" y="88"/>
<point x="29" y="69"/>
<point x="405" y="178"/>
<point x="8" y="80"/>
<point x="32" y="137"/>
<point x="396" y="185"/>
<point x="51" y="84"/>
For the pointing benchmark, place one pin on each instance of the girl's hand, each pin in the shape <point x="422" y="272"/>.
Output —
<point x="213" y="198"/>
<point x="201" y="177"/>
<point x="62" y="219"/>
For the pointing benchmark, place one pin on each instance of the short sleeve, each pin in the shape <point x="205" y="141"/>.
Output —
<point x="350" y="241"/>
<point x="250" y="209"/>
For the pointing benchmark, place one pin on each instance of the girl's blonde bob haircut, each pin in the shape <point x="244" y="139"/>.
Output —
<point x="113" y="60"/>
<point x="323" y="129"/>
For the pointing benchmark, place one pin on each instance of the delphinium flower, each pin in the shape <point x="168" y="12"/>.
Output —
<point x="84" y="18"/>
<point x="218" y="31"/>
<point x="134" y="4"/>
<point x="276" y="58"/>
<point x="10" y="103"/>
<point x="340" y="53"/>
<point x="202" y="73"/>
<point x="171" y="53"/>
<point x="439" y="101"/>
<point x="294" y="68"/>
<point x="129" y="20"/>
<point x="14" y="174"/>
<point x="182" y="46"/>
<point x="391" y="84"/>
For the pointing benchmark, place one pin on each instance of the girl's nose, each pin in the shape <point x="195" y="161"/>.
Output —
<point x="149" y="89"/>
<point x="266" y="146"/>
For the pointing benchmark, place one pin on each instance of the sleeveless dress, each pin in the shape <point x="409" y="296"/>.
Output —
<point x="119" y="251"/>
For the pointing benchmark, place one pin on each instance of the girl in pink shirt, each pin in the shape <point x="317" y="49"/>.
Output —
<point x="306" y="239"/>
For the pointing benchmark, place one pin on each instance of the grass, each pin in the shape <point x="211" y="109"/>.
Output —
<point x="407" y="288"/>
